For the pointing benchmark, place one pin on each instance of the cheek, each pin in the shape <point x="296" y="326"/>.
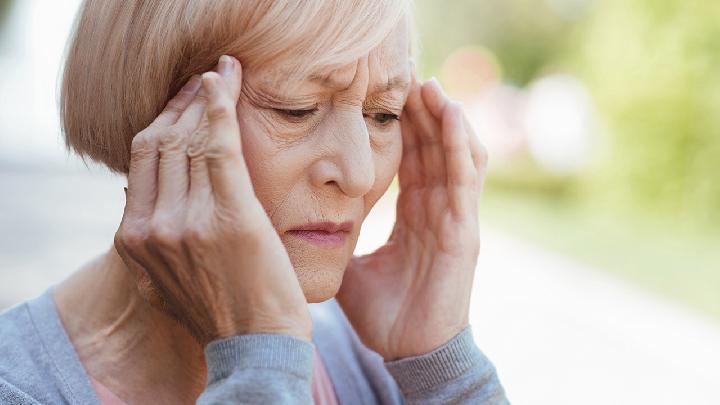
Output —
<point x="273" y="171"/>
<point x="387" y="163"/>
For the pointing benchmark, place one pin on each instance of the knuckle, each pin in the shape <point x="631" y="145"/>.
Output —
<point x="220" y="111"/>
<point x="196" y="235"/>
<point x="218" y="153"/>
<point x="118" y="242"/>
<point x="144" y="141"/>
<point x="196" y="146"/>
<point x="162" y="234"/>
<point x="172" y="139"/>
<point x="129" y="238"/>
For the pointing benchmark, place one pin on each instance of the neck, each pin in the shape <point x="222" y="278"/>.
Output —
<point x="140" y="354"/>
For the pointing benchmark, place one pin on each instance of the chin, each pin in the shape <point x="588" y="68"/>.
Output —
<point x="319" y="270"/>
<point x="320" y="283"/>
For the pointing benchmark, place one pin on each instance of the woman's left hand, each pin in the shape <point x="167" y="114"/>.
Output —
<point x="412" y="295"/>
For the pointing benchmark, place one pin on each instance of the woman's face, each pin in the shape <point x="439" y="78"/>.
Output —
<point x="322" y="150"/>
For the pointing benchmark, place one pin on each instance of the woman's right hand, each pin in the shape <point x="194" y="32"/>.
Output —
<point x="193" y="228"/>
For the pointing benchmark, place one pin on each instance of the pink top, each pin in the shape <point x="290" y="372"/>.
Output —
<point x="106" y="396"/>
<point x="322" y="389"/>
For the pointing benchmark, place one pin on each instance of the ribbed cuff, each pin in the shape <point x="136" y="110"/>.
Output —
<point x="263" y="351"/>
<point x="439" y="367"/>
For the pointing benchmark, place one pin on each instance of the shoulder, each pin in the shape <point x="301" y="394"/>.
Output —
<point x="23" y="367"/>
<point x="38" y="360"/>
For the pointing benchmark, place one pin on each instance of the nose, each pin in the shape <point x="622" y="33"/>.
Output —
<point x="348" y="164"/>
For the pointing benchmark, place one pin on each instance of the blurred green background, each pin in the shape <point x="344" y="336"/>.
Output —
<point x="643" y="199"/>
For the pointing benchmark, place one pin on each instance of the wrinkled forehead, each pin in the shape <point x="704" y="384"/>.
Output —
<point x="388" y="69"/>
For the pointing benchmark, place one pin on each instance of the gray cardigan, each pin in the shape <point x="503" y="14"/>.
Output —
<point x="38" y="365"/>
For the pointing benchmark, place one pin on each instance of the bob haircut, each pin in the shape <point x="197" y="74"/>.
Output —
<point x="126" y="58"/>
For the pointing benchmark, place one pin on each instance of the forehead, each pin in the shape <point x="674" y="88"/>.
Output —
<point x="388" y="64"/>
<point x="388" y="69"/>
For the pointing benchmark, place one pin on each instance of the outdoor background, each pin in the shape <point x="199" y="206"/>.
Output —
<point x="599" y="276"/>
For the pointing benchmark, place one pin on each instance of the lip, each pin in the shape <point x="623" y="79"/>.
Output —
<point x="324" y="234"/>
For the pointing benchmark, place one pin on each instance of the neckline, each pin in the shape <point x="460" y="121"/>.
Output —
<point x="71" y="377"/>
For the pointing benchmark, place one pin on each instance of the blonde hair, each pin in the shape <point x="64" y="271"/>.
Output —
<point x="126" y="58"/>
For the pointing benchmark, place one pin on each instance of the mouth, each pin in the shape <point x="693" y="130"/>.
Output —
<point x="323" y="234"/>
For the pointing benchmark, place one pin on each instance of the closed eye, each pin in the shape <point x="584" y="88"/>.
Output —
<point x="382" y="118"/>
<point x="296" y="114"/>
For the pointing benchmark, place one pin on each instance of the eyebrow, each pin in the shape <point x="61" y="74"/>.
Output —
<point x="399" y="82"/>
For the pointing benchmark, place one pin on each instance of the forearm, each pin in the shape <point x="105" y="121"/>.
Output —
<point x="258" y="368"/>
<point x="457" y="372"/>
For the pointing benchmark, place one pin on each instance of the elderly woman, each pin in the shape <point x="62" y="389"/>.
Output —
<point x="256" y="136"/>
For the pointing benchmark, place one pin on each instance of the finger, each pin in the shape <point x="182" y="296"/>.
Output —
<point x="478" y="152"/>
<point x="173" y="178"/>
<point x="410" y="164"/>
<point x="460" y="168"/>
<point x="142" y="175"/>
<point x="428" y="135"/>
<point x="192" y="122"/>
<point x="477" y="149"/>
<point x="194" y="113"/>
<point x="409" y="139"/>
<point x="435" y="98"/>
<point x="200" y="187"/>
<point x="223" y="150"/>
<point x="177" y="104"/>
<point x="173" y="173"/>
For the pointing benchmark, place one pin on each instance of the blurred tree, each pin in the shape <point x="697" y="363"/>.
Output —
<point x="654" y="69"/>
<point x="4" y="10"/>
<point x="525" y="35"/>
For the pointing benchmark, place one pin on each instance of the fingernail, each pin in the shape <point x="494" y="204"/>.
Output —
<point x="209" y="84"/>
<point x="225" y="65"/>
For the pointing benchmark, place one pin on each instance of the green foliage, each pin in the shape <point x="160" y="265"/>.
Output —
<point x="653" y="67"/>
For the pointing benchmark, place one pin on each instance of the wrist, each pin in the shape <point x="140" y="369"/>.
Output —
<point x="430" y="341"/>
<point x="299" y="326"/>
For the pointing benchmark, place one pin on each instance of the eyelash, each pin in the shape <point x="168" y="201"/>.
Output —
<point x="380" y="118"/>
<point x="387" y="118"/>
<point x="297" y="114"/>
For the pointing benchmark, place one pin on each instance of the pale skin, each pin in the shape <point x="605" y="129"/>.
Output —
<point x="224" y="174"/>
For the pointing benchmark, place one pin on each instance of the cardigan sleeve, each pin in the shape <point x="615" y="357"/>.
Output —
<point x="258" y="368"/>
<point x="456" y="372"/>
